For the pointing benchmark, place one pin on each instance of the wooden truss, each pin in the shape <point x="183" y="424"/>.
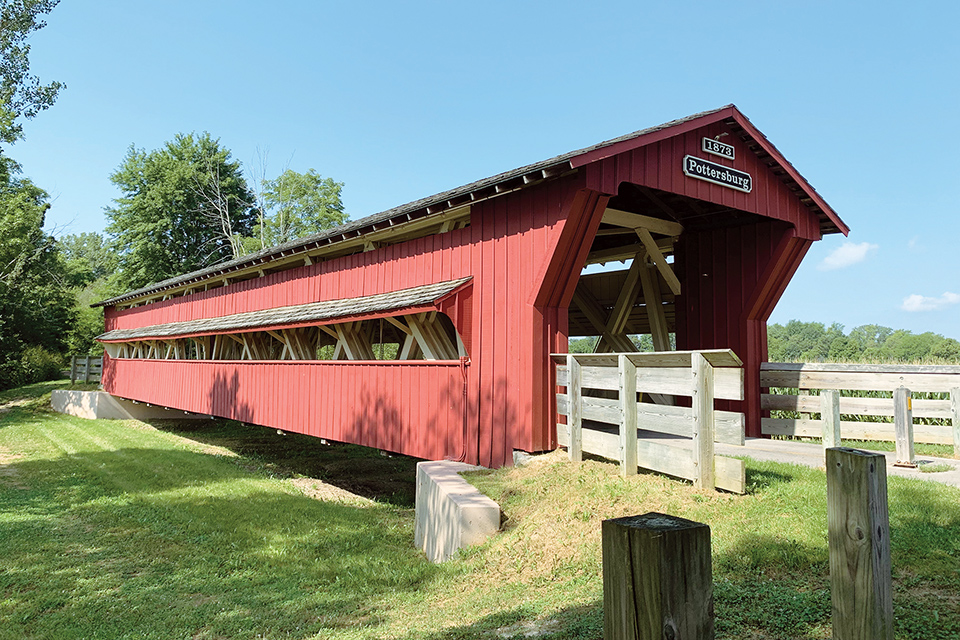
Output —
<point x="420" y="336"/>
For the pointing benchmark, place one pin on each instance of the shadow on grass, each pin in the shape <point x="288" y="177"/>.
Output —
<point x="581" y="623"/>
<point x="762" y="478"/>
<point x="360" y="470"/>
<point x="160" y="543"/>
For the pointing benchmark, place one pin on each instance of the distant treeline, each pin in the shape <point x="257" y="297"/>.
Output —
<point x="815" y="342"/>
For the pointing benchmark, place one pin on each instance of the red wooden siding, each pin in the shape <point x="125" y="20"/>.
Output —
<point x="505" y="249"/>
<point x="414" y="408"/>
<point x="731" y="281"/>
<point x="660" y="165"/>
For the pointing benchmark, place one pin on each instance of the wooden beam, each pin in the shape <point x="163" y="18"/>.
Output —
<point x="620" y="218"/>
<point x="398" y="323"/>
<point x="658" y="259"/>
<point x="615" y="254"/>
<point x="410" y="349"/>
<point x="432" y="339"/>
<point x="329" y="330"/>
<point x="617" y="321"/>
<point x="653" y="302"/>
<point x="594" y="313"/>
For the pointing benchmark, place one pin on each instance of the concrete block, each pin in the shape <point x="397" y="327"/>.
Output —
<point x="100" y="405"/>
<point x="451" y="513"/>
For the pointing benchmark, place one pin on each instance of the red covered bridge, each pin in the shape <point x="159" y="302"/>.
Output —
<point x="426" y="329"/>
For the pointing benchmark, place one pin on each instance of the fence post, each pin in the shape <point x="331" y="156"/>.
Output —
<point x="86" y="369"/>
<point x="858" y="529"/>
<point x="903" y="426"/>
<point x="657" y="578"/>
<point x="73" y="369"/>
<point x="628" y="419"/>
<point x="703" y="427"/>
<point x="830" y="415"/>
<point x="955" y="410"/>
<point x="574" y="408"/>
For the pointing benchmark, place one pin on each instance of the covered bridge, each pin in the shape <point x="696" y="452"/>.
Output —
<point x="427" y="329"/>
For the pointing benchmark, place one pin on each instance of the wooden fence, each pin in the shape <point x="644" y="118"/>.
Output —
<point x="806" y="377"/>
<point x="603" y="414"/>
<point x="86" y="368"/>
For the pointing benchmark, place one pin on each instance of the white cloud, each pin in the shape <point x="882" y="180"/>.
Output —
<point x="847" y="254"/>
<point x="916" y="302"/>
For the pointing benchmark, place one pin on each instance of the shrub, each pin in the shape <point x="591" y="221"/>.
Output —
<point x="39" y="365"/>
<point x="35" y="364"/>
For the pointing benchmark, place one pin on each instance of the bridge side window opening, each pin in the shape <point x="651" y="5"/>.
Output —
<point x="429" y="335"/>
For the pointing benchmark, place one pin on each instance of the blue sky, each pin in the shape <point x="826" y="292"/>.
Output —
<point x="403" y="100"/>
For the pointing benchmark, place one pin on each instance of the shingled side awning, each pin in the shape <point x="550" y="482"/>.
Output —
<point x="412" y="300"/>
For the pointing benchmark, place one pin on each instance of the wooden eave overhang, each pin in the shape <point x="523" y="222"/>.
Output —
<point x="448" y="203"/>
<point x="404" y="301"/>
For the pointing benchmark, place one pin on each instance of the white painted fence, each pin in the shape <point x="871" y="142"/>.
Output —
<point x="675" y="440"/>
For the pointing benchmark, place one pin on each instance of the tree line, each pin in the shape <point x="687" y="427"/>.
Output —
<point x="184" y="206"/>
<point x="799" y="341"/>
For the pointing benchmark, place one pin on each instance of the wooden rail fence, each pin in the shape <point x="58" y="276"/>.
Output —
<point x="603" y="415"/>
<point x="86" y="368"/>
<point x="805" y="377"/>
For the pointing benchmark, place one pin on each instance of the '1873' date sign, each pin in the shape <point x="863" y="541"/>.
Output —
<point x="717" y="174"/>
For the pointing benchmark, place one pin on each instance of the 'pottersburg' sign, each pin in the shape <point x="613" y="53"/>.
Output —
<point x="717" y="174"/>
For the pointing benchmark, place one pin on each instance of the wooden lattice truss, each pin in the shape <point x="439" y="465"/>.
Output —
<point x="640" y="299"/>
<point x="420" y="336"/>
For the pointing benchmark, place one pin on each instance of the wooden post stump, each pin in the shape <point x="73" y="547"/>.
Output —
<point x="859" y="534"/>
<point x="657" y="579"/>
<point x="903" y="426"/>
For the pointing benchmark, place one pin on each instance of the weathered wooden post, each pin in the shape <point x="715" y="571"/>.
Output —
<point x="830" y="415"/>
<point x="903" y="426"/>
<point x="657" y="579"/>
<point x="955" y="410"/>
<point x="859" y="534"/>
<point x="574" y="408"/>
<point x="628" y="417"/>
<point x="703" y="426"/>
<point x="73" y="369"/>
<point x="86" y="369"/>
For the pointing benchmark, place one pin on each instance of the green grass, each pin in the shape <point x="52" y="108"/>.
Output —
<point x="203" y="530"/>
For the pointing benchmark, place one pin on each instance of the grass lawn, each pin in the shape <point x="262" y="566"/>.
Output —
<point x="120" y="529"/>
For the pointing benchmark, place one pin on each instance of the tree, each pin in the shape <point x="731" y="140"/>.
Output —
<point x="36" y="306"/>
<point x="88" y="257"/>
<point x="295" y="205"/>
<point x="182" y="208"/>
<point x="22" y="96"/>
<point x="90" y="270"/>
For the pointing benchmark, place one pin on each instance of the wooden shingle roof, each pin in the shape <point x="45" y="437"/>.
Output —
<point x="315" y="312"/>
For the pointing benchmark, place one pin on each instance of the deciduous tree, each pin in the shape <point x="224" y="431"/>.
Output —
<point x="181" y="208"/>
<point x="22" y="96"/>
<point x="36" y="306"/>
<point x="295" y="205"/>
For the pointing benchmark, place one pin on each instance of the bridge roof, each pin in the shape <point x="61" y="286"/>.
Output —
<point x="506" y="182"/>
